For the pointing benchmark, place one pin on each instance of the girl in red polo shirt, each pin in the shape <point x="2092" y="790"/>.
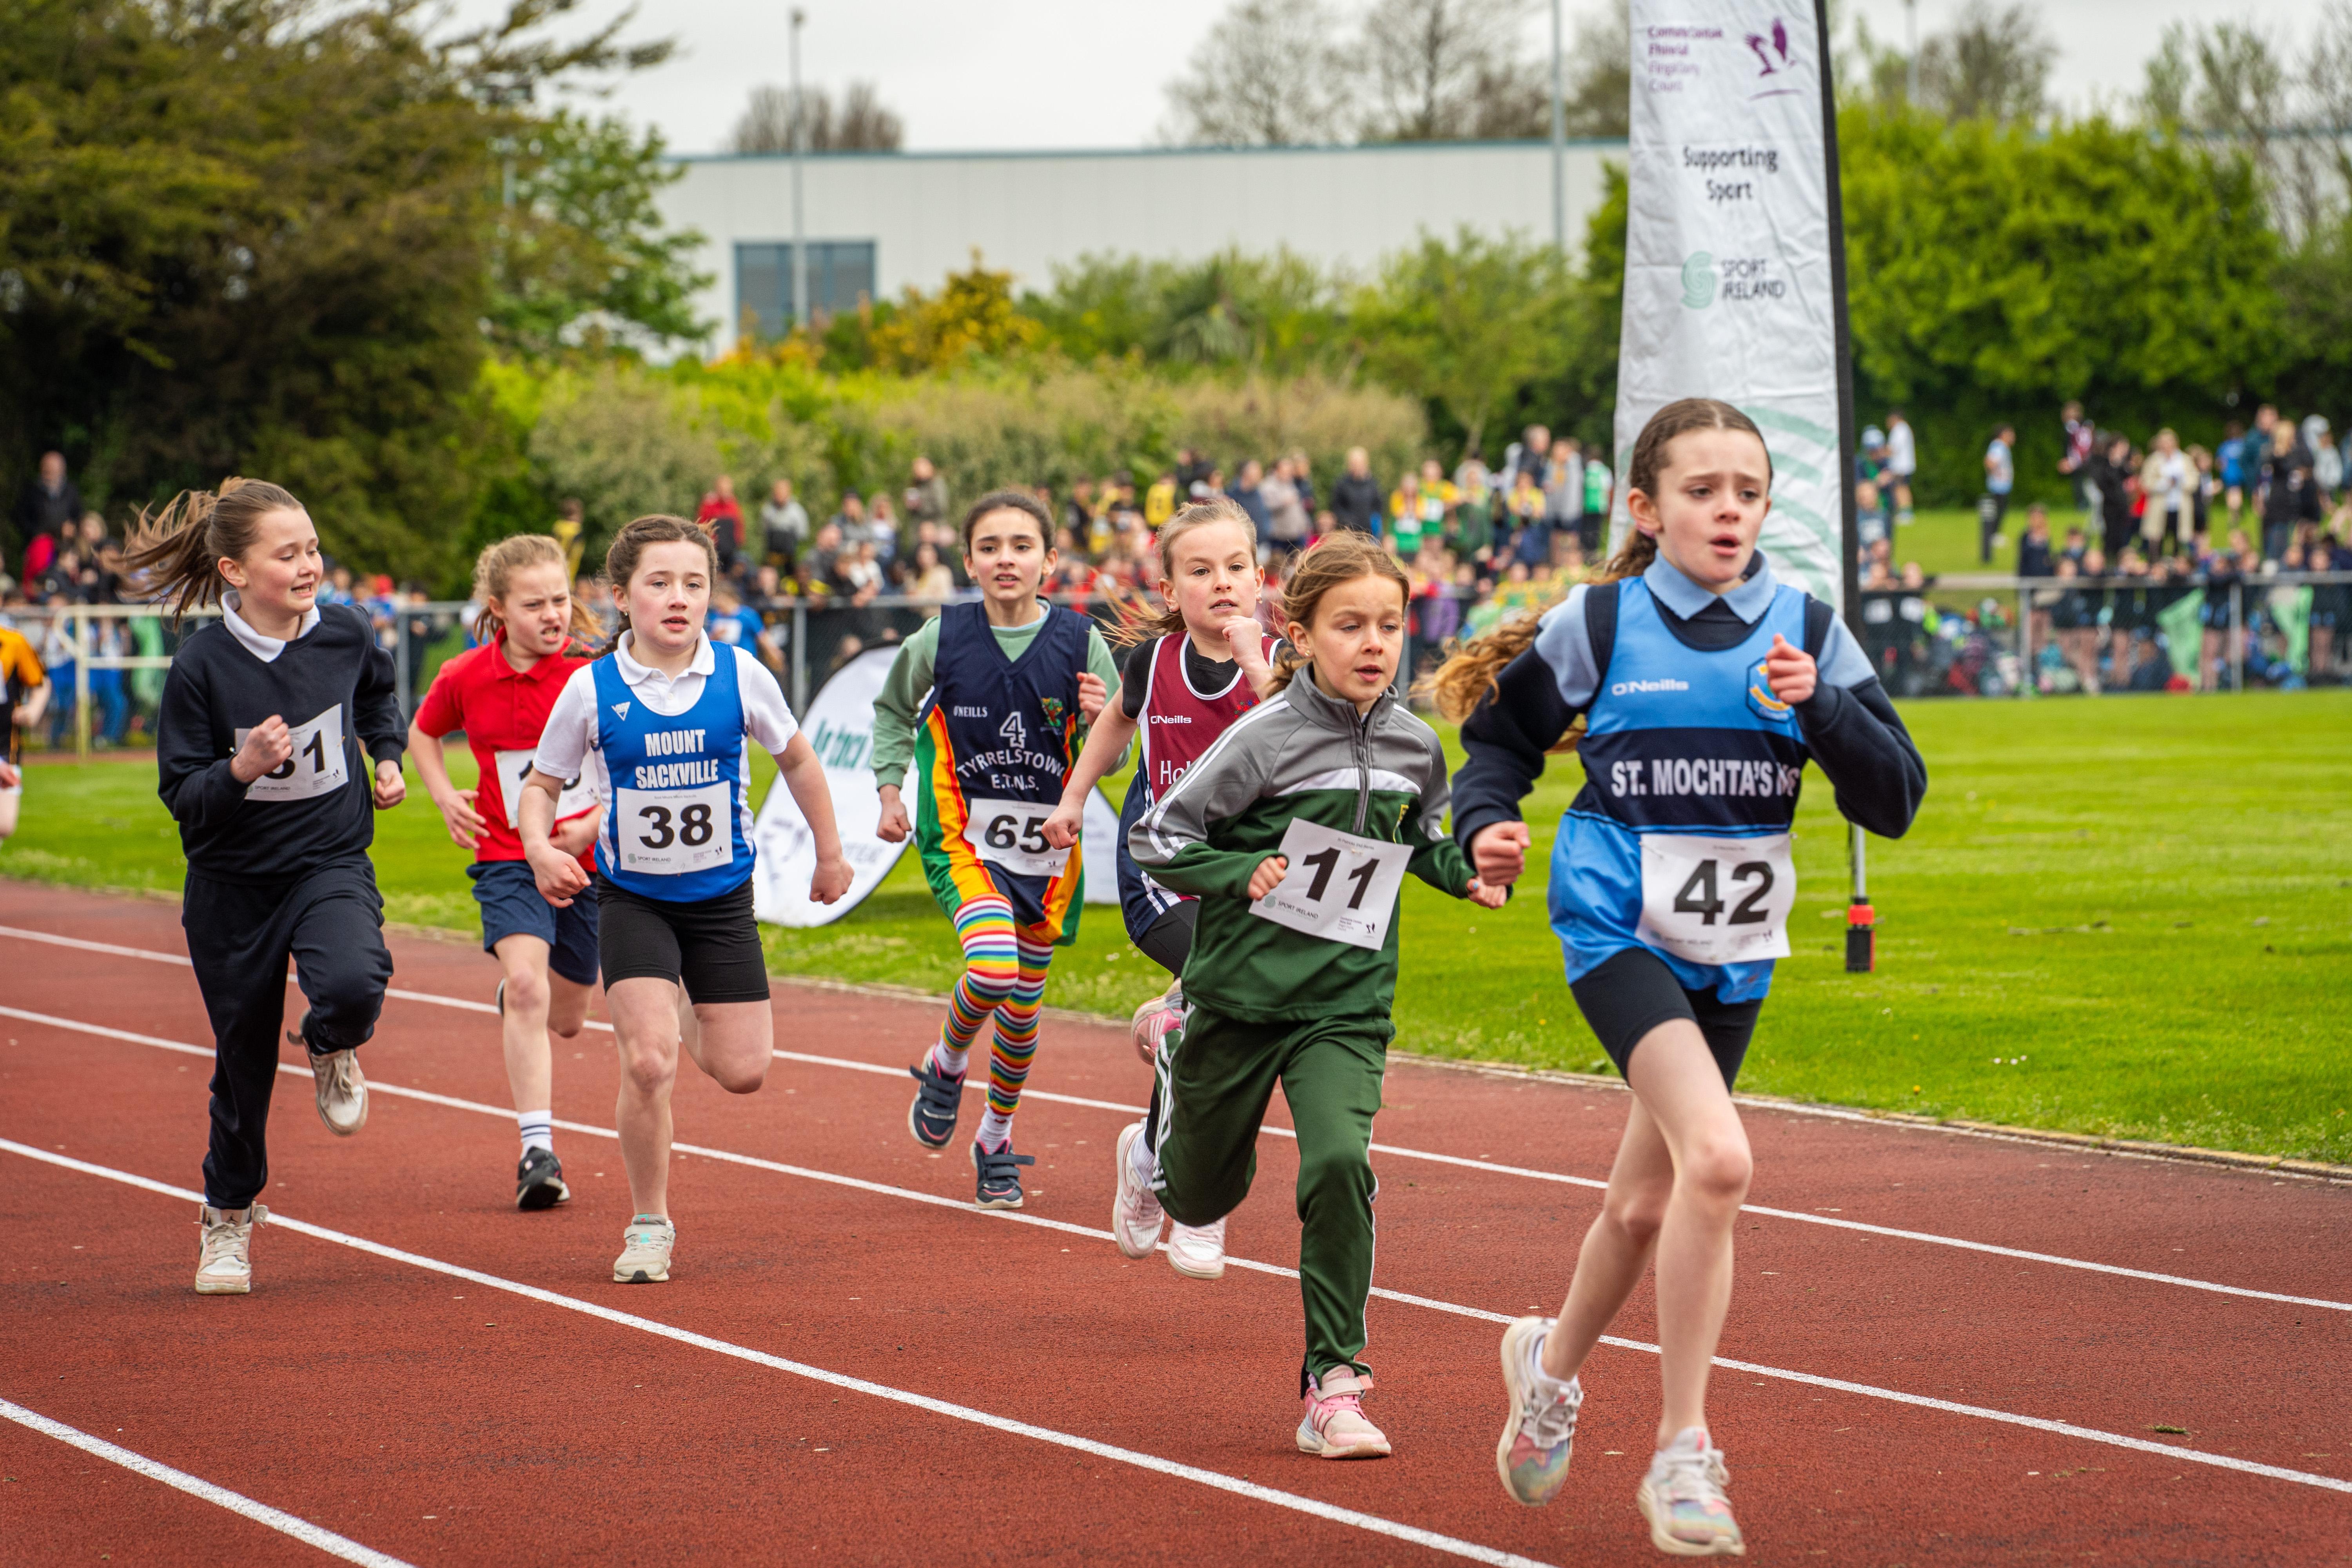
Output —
<point x="500" y="695"/>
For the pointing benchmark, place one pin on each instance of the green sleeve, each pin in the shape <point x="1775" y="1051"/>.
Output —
<point x="1104" y="664"/>
<point x="902" y="694"/>
<point x="1443" y="865"/>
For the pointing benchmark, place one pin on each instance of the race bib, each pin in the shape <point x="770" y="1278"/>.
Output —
<point x="514" y="767"/>
<point x="1012" y="834"/>
<point x="1339" y="886"/>
<point x="316" y="767"/>
<point x="670" y="832"/>
<point x="1717" y="900"/>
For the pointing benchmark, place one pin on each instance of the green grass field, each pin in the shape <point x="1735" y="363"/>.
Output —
<point x="2130" y="917"/>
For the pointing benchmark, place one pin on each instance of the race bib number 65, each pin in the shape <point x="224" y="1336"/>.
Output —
<point x="1012" y="833"/>
<point x="1339" y="886"/>
<point x="671" y="832"/>
<point x="1717" y="900"/>
<point x="316" y="767"/>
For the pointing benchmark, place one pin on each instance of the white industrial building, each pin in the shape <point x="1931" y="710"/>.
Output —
<point x="879" y="222"/>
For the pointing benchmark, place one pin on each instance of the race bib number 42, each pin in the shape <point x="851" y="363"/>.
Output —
<point x="514" y="767"/>
<point x="670" y="832"/>
<point x="1717" y="900"/>
<point x="1339" y="886"/>
<point x="316" y="767"/>
<point x="1012" y="834"/>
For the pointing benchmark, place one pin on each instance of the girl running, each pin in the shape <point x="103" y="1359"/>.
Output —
<point x="1705" y="686"/>
<point x="1295" y="831"/>
<point x="259" y="743"/>
<point x="1188" y="673"/>
<point x="1012" y="681"/>
<point x="662" y="723"/>
<point x="500" y="694"/>
<point x="24" y="695"/>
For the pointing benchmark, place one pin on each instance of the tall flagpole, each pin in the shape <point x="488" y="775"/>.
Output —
<point x="1558" y="143"/>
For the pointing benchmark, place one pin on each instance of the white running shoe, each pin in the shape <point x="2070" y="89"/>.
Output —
<point x="225" y="1261"/>
<point x="1334" y="1427"/>
<point x="1197" y="1251"/>
<point x="1539" y="1434"/>
<point x="343" y="1093"/>
<point x="1681" y="1497"/>
<point x="1135" y="1212"/>
<point x="644" y="1251"/>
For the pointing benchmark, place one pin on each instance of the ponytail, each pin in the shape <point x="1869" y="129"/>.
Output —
<point x="176" y="553"/>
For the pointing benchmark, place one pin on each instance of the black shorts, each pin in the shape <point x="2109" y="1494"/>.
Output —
<point x="1631" y="992"/>
<point x="710" y="946"/>
<point x="1168" y="941"/>
<point x="512" y="906"/>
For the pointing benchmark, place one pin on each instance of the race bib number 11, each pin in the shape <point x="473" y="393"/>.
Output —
<point x="1717" y="900"/>
<point x="1339" y="886"/>
<point x="316" y="767"/>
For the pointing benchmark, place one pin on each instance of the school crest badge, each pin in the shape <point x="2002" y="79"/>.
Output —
<point x="1761" y="701"/>
<point x="1053" y="709"/>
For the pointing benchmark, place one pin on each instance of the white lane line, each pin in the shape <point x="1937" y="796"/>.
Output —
<point x="1454" y="1309"/>
<point x="1312" y="1507"/>
<point x="1828" y="1221"/>
<point x="285" y="1523"/>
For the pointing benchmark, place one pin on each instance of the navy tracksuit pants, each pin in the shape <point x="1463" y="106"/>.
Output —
<point x="240" y="935"/>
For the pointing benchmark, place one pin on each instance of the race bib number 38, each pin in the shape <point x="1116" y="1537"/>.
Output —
<point x="1012" y="834"/>
<point x="1339" y="886"/>
<point x="514" y="767"/>
<point x="1717" y="900"/>
<point x="670" y="832"/>
<point x="316" y="767"/>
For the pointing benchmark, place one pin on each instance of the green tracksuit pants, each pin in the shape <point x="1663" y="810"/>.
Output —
<point x="1216" y="1075"/>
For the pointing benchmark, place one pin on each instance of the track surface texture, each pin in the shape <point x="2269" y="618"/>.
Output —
<point x="852" y="1364"/>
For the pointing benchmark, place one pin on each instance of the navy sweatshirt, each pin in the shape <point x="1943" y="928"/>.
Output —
<point x="331" y="681"/>
<point x="1851" y="727"/>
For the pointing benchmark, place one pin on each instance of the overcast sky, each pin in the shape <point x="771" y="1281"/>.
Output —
<point x="1088" y="73"/>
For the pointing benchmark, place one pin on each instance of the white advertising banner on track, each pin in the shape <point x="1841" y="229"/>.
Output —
<point x="840" y="725"/>
<point x="1728" y="287"/>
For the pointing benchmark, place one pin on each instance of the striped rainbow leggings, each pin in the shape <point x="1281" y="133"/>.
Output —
<point x="1004" y="975"/>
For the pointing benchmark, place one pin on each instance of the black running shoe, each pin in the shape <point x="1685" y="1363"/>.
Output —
<point x="539" y="1181"/>
<point x="998" y="1170"/>
<point x="932" y="1118"/>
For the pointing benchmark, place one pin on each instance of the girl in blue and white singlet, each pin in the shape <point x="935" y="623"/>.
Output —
<point x="1705" y="688"/>
<point x="662" y="723"/>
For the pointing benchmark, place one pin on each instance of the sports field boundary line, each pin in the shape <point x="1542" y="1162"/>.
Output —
<point x="1827" y="1222"/>
<point x="2275" y="1165"/>
<point x="1452" y="1308"/>
<point x="1175" y="1469"/>
<point x="261" y="1514"/>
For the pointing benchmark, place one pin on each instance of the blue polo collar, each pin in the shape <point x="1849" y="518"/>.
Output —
<point x="1687" y="598"/>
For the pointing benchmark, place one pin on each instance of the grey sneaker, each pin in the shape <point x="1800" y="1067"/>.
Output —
<point x="342" y="1090"/>
<point x="1681" y="1497"/>
<point x="225" y="1260"/>
<point x="644" y="1251"/>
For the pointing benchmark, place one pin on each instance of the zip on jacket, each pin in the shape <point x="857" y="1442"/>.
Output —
<point x="1299" y="755"/>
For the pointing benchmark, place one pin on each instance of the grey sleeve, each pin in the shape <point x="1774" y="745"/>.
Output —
<point x="1566" y="648"/>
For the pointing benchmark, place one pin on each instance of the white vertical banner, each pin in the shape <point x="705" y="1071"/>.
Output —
<point x="840" y="725"/>
<point x="1732" y="275"/>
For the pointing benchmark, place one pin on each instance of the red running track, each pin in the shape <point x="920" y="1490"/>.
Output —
<point x="445" y="1419"/>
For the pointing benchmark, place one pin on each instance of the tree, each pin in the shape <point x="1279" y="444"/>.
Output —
<point x="581" y="255"/>
<point x="1466" y="325"/>
<point x="1597" y="99"/>
<point x="1991" y="65"/>
<point x="1445" y="70"/>
<point x="863" y="123"/>
<point x="973" y="316"/>
<point x="1278" y="313"/>
<point x="2284" y="102"/>
<point x="1270" y="73"/>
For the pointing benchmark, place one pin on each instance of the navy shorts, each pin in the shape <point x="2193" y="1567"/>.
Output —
<point x="511" y="906"/>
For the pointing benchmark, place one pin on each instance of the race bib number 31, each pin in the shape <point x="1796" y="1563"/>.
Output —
<point x="1339" y="886"/>
<point x="316" y="767"/>
<point x="1717" y="900"/>
<point x="1012" y="834"/>
<point x="514" y="767"/>
<point x="670" y="832"/>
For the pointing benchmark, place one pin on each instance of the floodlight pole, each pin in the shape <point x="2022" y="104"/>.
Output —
<point x="800" y="231"/>
<point x="1911" y="59"/>
<point x="1558" y="143"/>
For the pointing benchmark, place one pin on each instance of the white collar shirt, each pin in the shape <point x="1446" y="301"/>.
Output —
<point x="264" y="648"/>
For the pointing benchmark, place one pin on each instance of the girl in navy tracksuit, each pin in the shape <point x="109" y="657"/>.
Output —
<point x="1705" y="686"/>
<point x="278" y="738"/>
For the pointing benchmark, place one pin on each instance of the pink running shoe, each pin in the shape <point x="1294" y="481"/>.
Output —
<point x="1334" y="1427"/>
<point x="1154" y="1019"/>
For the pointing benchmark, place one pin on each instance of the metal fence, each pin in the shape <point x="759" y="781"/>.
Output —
<point x="1955" y="634"/>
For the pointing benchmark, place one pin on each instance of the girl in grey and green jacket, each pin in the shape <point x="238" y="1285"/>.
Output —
<point x="1295" y="831"/>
